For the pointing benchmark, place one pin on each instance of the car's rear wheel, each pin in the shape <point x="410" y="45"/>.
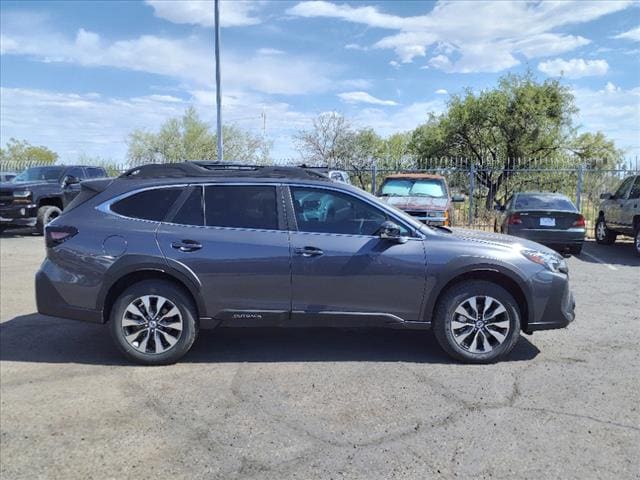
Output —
<point x="636" y="240"/>
<point x="603" y="235"/>
<point x="477" y="322"/>
<point x="46" y="214"/>
<point x="154" y="322"/>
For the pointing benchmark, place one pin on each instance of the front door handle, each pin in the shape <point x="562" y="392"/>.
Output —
<point x="186" y="245"/>
<point x="309" y="252"/>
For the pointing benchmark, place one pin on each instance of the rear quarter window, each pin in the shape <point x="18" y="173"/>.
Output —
<point x="147" y="205"/>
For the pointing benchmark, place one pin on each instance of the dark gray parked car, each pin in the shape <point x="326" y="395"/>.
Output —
<point x="165" y="250"/>
<point x="547" y="218"/>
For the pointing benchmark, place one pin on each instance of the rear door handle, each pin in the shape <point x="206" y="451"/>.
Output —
<point x="186" y="245"/>
<point x="309" y="252"/>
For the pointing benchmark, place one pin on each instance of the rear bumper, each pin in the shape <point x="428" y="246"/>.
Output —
<point x="559" y="310"/>
<point x="51" y="303"/>
<point x="571" y="236"/>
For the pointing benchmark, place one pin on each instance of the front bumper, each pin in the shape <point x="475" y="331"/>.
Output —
<point x="428" y="219"/>
<point x="556" y="302"/>
<point x="18" y="215"/>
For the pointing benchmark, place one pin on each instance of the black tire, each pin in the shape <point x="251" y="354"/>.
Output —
<point x="575" y="249"/>
<point x="603" y="235"/>
<point x="455" y="297"/>
<point x="175" y="295"/>
<point x="46" y="213"/>
<point x="636" y="240"/>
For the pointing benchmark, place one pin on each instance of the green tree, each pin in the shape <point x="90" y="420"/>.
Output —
<point x="190" y="138"/>
<point x="519" y="122"/>
<point x="396" y="153"/>
<point x="20" y="153"/>
<point x="596" y="151"/>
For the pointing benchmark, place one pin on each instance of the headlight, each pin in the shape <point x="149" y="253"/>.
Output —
<point x="551" y="261"/>
<point x="21" y="193"/>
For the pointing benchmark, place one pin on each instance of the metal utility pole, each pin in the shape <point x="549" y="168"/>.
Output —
<point x="218" y="90"/>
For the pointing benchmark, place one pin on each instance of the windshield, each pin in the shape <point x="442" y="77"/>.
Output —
<point x="406" y="187"/>
<point x="544" y="202"/>
<point x="39" y="174"/>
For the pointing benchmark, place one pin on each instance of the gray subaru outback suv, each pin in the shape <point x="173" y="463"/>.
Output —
<point x="165" y="250"/>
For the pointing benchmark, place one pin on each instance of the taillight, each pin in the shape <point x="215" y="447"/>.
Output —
<point x="514" y="219"/>
<point x="56" y="235"/>
<point x="580" y="222"/>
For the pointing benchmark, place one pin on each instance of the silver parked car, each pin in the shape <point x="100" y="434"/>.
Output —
<point x="620" y="213"/>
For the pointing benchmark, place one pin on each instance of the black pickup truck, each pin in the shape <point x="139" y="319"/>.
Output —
<point x="39" y="194"/>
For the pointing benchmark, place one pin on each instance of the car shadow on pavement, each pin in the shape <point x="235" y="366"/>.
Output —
<point x="621" y="253"/>
<point x="40" y="339"/>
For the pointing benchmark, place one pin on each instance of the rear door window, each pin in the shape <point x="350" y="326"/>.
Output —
<point x="241" y="206"/>
<point x="148" y="204"/>
<point x="191" y="212"/>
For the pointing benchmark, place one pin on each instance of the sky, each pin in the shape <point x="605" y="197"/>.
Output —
<point x="79" y="76"/>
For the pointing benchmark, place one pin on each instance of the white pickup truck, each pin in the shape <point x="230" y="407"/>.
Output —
<point x="620" y="213"/>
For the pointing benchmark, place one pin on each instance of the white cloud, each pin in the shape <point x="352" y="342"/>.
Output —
<point x="237" y="13"/>
<point x="441" y="91"/>
<point x="72" y="123"/>
<point x="269" y="51"/>
<point x="489" y="40"/>
<point x="574" y="68"/>
<point x="364" y="97"/>
<point x="633" y="34"/>
<point x="399" y="120"/>
<point x="186" y="59"/>
<point x="355" y="46"/>
<point x="614" y="111"/>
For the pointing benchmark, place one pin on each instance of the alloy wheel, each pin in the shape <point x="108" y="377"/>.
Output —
<point x="601" y="230"/>
<point x="480" y="324"/>
<point x="152" y="324"/>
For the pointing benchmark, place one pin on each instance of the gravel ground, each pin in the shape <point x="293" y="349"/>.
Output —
<point x="323" y="404"/>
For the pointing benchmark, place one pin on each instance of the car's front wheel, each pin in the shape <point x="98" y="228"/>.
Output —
<point x="477" y="322"/>
<point x="603" y="235"/>
<point x="636" y="240"/>
<point x="154" y="322"/>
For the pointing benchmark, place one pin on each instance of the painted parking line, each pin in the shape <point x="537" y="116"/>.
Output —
<point x="599" y="260"/>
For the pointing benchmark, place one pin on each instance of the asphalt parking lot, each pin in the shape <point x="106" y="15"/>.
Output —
<point x="323" y="404"/>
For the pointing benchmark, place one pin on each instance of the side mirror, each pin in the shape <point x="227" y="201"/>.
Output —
<point x="390" y="231"/>
<point x="458" y="198"/>
<point x="69" y="180"/>
<point x="606" y="196"/>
